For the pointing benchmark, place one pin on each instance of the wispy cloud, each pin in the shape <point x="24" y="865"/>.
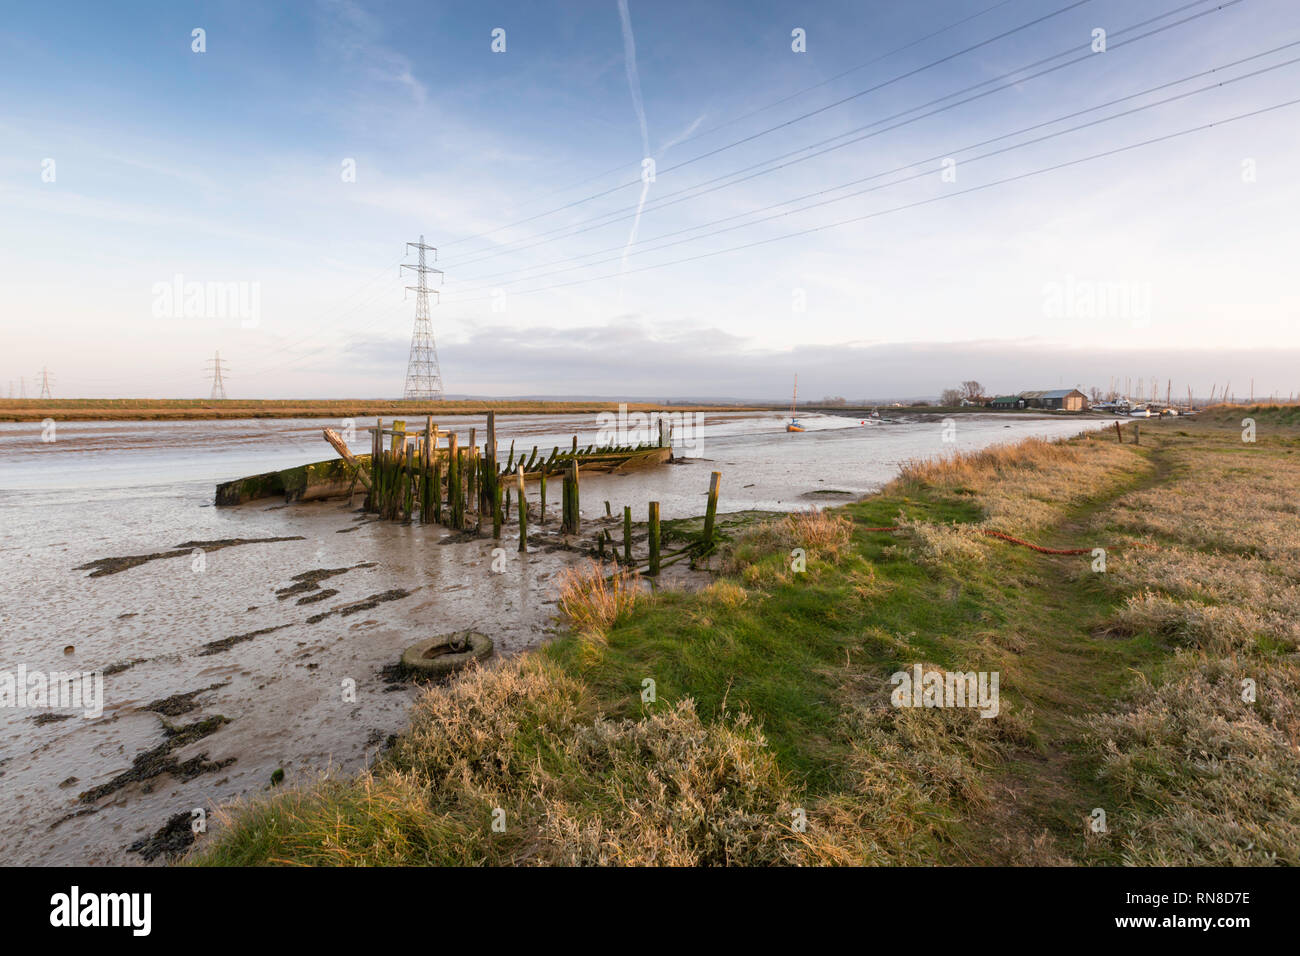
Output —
<point x="356" y="36"/>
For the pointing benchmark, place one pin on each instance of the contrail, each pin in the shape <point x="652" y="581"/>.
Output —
<point x="633" y="80"/>
<point x="634" y="84"/>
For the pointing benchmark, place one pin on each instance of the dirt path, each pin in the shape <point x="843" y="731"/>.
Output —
<point x="1043" y="795"/>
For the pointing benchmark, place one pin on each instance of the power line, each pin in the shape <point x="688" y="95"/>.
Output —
<point x="797" y="119"/>
<point x="762" y="109"/>
<point x="918" y="203"/>
<point x="699" y="189"/>
<point x="923" y="173"/>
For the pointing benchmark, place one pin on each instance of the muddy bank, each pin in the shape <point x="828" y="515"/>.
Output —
<point x="219" y="679"/>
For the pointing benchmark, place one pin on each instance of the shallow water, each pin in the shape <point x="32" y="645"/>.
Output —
<point x="109" y="489"/>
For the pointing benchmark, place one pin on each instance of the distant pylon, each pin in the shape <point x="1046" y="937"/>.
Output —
<point x="423" y="377"/>
<point x="45" y="383"/>
<point x="218" y="386"/>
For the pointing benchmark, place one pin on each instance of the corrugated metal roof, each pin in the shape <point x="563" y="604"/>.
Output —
<point x="1049" y="393"/>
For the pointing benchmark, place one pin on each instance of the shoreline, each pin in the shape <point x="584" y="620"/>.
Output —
<point x="1082" y="657"/>
<point x="93" y="409"/>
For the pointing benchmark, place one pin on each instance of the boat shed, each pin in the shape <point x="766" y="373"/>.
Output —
<point x="1066" y="399"/>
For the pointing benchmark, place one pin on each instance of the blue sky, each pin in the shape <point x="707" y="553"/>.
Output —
<point x="228" y="166"/>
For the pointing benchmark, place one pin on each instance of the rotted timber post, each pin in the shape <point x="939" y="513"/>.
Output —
<point x="408" y="483"/>
<point x="489" y="491"/>
<point x="712" y="508"/>
<point x="496" y="508"/>
<point x="627" y="535"/>
<point x="571" y="523"/>
<point x="453" y="481"/>
<point x="523" y="510"/>
<point x="541" y="507"/>
<point x="654" y="538"/>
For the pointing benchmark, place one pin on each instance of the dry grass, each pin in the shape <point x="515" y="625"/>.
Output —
<point x="1203" y="776"/>
<point x="1206" y="778"/>
<point x="940" y="545"/>
<point x="594" y="598"/>
<point x="1215" y="629"/>
<point x="911" y="773"/>
<point x="511" y="743"/>
<point x="1236" y="499"/>
<point x="1028" y="485"/>
<point x="821" y="534"/>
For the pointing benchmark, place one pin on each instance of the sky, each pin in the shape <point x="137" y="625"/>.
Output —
<point x="636" y="200"/>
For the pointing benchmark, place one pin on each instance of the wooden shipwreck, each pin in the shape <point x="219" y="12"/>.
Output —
<point x="420" y="457"/>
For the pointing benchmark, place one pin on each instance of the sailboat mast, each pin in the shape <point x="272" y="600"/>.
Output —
<point x="794" y="398"/>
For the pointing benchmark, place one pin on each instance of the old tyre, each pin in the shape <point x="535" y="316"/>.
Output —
<point x="446" y="653"/>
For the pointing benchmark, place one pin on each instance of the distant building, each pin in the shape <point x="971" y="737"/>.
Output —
<point x="1007" y="401"/>
<point x="1067" y="399"/>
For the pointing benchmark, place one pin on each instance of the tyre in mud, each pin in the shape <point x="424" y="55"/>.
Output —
<point x="445" y="654"/>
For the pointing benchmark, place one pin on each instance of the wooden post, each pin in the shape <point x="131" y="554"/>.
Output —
<point x="523" y="510"/>
<point x="712" y="508"/>
<point x="1119" y="435"/>
<point x="345" y="453"/>
<point x="541" y="508"/>
<point x="663" y="432"/>
<point x="409" y="483"/>
<point x="627" y="535"/>
<point x="399" y="436"/>
<point x="453" y="481"/>
<point x="437" y="489"/>
<point x="571" y="523"/>
<point x="1136" y="434"/>
<point x="654" y="538"/>
<point x="496" y="510"/>
<point x="608" y="513"/>
<point x="506" y="513"/>
<point x="489" y="492"/>
<point x="472" y="477"/>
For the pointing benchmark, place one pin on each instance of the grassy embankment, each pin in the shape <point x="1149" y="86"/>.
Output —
<point x="164" y="409"/>
<point x="1120" y="690"/>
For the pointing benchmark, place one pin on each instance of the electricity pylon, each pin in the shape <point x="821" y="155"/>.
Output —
<point x="45" y="383"/>
<point x="216" y="367"/>
<point x="423" y="378"/>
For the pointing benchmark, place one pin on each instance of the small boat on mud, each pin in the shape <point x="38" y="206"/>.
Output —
<point x="793" y="425"/>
